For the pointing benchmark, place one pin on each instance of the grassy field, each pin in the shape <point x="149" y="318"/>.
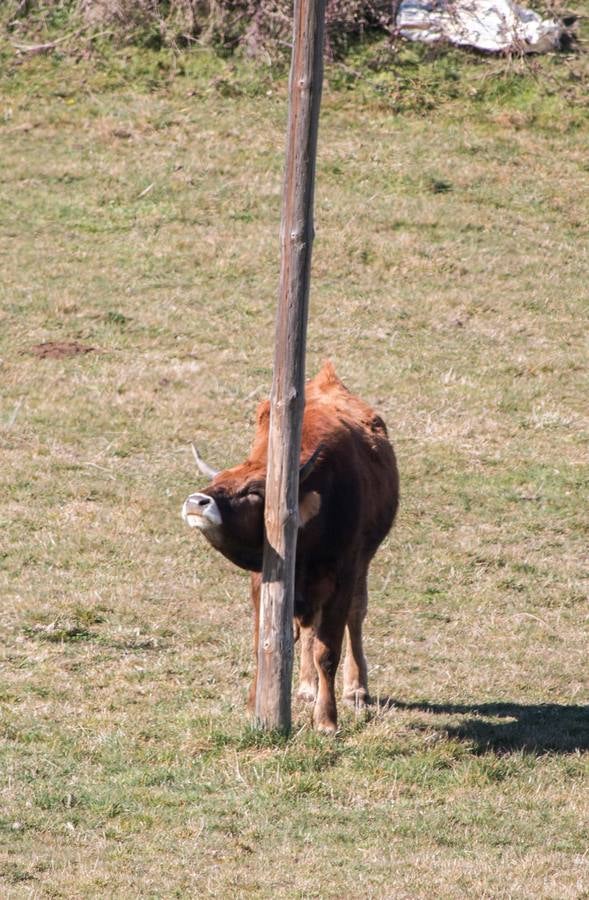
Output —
<point x="139" y="205"/>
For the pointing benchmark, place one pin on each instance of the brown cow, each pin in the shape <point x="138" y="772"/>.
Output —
<point x="348" y="497"/>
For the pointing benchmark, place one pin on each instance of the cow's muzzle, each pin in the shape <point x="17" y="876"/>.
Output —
<point x="201" y="511"/>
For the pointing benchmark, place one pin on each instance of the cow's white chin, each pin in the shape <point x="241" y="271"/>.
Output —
<point x="196" y="521"/>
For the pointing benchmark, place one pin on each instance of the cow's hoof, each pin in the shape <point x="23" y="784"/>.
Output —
<point x="328" y="728"/>
<point x="324" y="721"/>
<point x="357" y="700"/>
<point x="307" y="692"/>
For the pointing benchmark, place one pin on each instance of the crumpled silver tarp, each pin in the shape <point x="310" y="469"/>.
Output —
<point x="492" y="25"/>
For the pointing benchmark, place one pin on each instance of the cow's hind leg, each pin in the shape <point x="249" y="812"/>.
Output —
<point x="327" y="648"/>
<point x="355" y="669"/>
<point x="307" y="689"/>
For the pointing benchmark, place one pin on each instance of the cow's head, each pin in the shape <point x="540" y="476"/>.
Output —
<point x="230" y="511"/>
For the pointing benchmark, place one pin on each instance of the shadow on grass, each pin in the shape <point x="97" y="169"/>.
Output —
<point x="535" y="728"/>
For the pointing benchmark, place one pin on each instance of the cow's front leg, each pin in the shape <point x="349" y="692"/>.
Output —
<point x="256" y="583"/>
<point x="307" y="689"/>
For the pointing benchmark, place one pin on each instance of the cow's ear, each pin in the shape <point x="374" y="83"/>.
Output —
<point x="309" y="507"/>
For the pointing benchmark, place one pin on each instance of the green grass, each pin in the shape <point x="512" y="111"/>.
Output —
<point x="139" y="215"/>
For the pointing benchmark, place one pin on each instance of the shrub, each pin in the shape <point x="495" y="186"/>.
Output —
<point x="258" y="27"/>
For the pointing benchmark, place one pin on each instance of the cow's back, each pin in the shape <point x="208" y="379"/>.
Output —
<point x="357" y="473"/>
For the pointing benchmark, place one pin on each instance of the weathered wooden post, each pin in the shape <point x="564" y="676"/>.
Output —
<point x="275" y="651"/>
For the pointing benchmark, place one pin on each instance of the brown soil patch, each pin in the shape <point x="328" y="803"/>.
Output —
<point x="60" y="349"/>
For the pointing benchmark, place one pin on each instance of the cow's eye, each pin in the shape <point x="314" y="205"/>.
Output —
<point x="255" y="493"/>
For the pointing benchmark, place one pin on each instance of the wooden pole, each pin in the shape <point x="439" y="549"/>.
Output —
<point x="275" y="649"/>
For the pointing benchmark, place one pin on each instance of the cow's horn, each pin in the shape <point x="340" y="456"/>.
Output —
<point x="203" y="467"/>
<point x="308" y="467"/>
